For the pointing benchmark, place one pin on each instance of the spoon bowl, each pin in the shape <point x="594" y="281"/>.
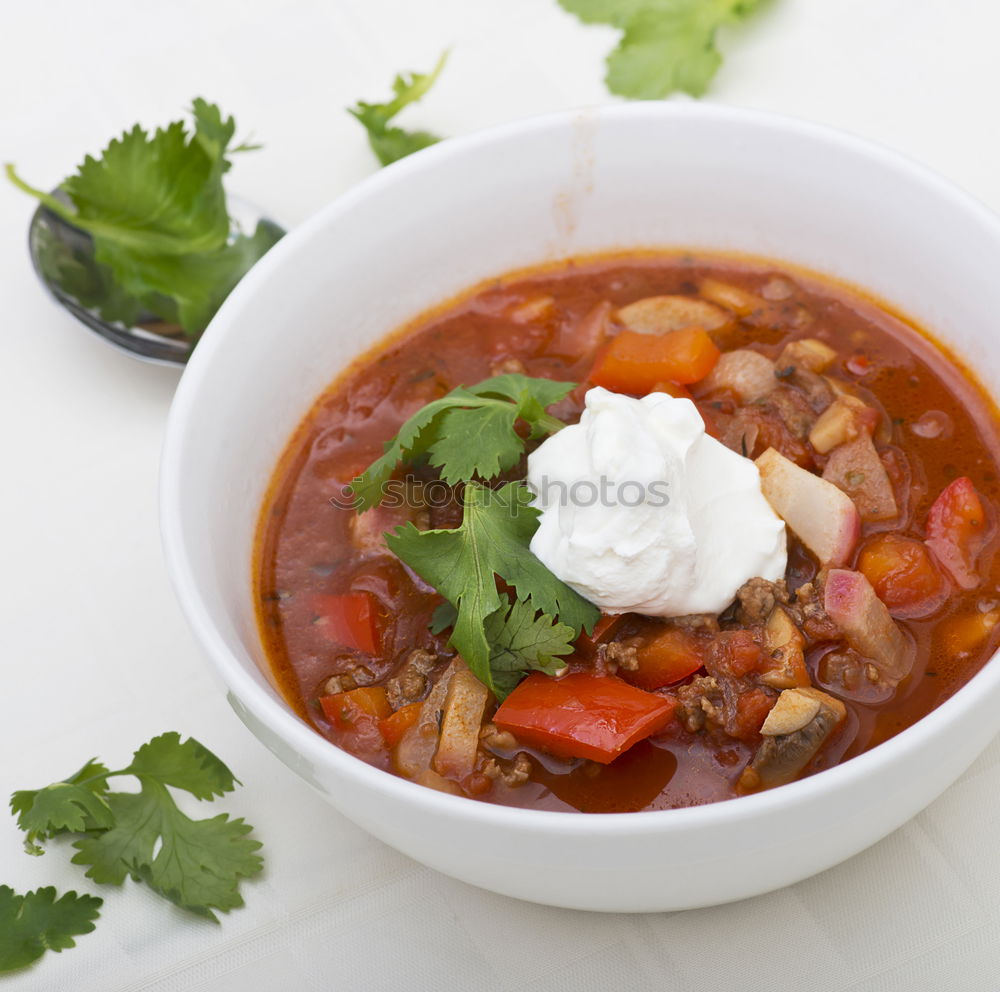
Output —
<point x="63" y="259"/>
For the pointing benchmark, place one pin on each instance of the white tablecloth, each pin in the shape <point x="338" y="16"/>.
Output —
<point x="96" y="657"/>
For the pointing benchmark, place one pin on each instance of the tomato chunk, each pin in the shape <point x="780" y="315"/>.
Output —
<point x="349" y="619"/>
<point x="903" y="574"/>
<point x="636" y="363"/>
<point x="957" y="530"/>
<point x="667" y="658"/>
<point x="396" y="724"/>
<point x="355" y="717"/>
<point x="582" y="715"/>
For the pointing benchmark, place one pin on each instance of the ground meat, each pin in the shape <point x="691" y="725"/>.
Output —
<point x="357" y="676"/>
<point x="620" y="655"/>
<point x="757" y="599"/>
<point x="695" y="622"/>
<point x="699" y="703"/>
<point x="409" y="684"/>
<point x="511" y="773"/>
<point x="817" y="391"/>
<point x="793" y="408"/>
<point x="809" y="615"/>
<point x="497" y="740"/>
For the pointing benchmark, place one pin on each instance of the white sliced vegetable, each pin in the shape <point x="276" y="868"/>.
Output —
<point x="461" y="723"/>
<point x="747" y="374"/>
<point x="824" y="518"/>
<point x="845" y="419"/>
<point x="807" y="353"/>
<point x="729" y="296"/>
<point x="662" y="314"/>
<point x="851" y="602"/>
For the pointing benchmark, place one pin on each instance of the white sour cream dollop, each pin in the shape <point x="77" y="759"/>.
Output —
<point x="643" y="512"/>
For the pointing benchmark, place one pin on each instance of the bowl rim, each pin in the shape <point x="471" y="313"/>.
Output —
<point x="275" y="714"/>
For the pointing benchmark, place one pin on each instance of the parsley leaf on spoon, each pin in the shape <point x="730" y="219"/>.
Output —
<point x="156" y="210"/>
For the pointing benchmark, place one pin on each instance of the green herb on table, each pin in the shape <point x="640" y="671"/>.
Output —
<point x="389" y="142"/>
<point x="666" y="46"/>
<point x="156" y="210"/>
<point x="471" y="436"/>
<point x="38" y="922"/>
<point x="196" y="864"/>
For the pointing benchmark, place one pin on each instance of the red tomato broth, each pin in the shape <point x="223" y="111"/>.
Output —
<point x="305" y="548"/>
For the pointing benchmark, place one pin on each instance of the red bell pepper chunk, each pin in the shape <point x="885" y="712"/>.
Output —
<point x="667" y="658"/>
<point x="586" y="644"/>
<point x="356" y="716"/>
<point x="957" y="530"/>
<point x="582" y="715"/>
<point x="636" y="363"/>
<point x="395" y="725"/>
<point x="349" y="619"/>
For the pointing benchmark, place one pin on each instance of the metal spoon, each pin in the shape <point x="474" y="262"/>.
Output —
<point x="63" y="258"/>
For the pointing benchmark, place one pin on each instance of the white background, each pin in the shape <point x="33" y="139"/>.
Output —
<point x="96" y="657"/>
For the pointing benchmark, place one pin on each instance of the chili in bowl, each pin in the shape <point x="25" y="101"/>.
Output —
<point x="704" y="698"/>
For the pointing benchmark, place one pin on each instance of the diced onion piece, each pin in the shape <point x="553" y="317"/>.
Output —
<point x="729" y="296"/>
<point x="845" y="419"/>
<point x="807" y="353"/>
<point x="747" y="374"/>
<point x="661" y="314"/>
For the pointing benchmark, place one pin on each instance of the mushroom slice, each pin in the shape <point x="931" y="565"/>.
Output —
<point x="662" y="314"/>
<point x="786" y="667"/>
<point x="799" y="724"/>
<point x="415" y="750"/>
<point x="461" y="722"/>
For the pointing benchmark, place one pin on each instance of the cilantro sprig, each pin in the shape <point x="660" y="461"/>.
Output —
<point x="196" y="864"/>
<point x="666" y="45"/>
<point x="389" y="142"/>
<point x="467" y="433"/>
<point x="471" y="436"/>
<point x="156" y="210"/>
<point x="41" y="921"/>
<point x="498" y="642"/>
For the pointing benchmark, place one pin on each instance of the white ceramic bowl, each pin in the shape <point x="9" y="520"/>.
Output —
<point x="428" y="227"/>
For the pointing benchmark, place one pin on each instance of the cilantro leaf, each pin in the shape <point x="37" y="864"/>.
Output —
<point x="470" y="432"/>
<point x="463" y="564"/>
<point x="196" y="864"/>
<point x="522" y="640"/>
<point x="185" y="765"/>
<point x="667" y="45"/>
<point x="444" y="616"/>
<point x="393" y="143"/>
<point x="156" y="211"/>
<point x="74" y="804"/>
<point x="38" y="922"/>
